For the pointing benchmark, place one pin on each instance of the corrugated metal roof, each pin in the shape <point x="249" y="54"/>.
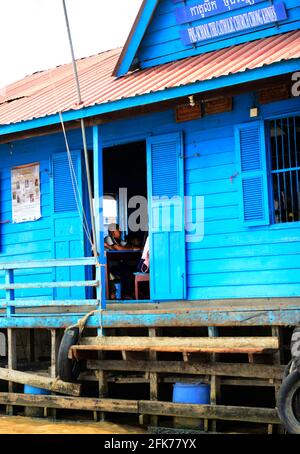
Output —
<point x="48" y="92"/>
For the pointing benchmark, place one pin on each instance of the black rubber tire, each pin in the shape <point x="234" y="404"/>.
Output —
<point x="288" y="403"/>
<point x="68" y="370"/>
<point x="295" y="347"/>
<point x="289" y="368"/>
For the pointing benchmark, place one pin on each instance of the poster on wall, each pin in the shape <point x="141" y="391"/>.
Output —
<point x="26" y="195"/>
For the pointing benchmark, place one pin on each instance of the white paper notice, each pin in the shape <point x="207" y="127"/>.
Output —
<point x="26" y="195"/>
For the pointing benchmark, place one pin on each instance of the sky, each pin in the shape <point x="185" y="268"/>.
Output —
<point x="33" y="33"/>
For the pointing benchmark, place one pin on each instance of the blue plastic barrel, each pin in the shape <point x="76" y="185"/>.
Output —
<point x="33" y="390"/>
<point x="191" y="393"/>
<point x="118" y="290"/>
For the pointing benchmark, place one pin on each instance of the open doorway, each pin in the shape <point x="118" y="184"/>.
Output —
<point x="125" y="214"/>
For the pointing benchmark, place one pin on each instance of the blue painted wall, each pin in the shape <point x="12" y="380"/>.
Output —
<point x="47" y="237"/>
<point x="162" y="42"/>
<point x="233" y="260"/>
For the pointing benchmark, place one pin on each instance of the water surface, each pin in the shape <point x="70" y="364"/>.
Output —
<point x="22" y="425"/>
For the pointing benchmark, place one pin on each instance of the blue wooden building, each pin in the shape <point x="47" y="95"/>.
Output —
<point x="234" y="154"/>
<point x="200" y="114"/>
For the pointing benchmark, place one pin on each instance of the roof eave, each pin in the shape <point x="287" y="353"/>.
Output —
<point x="135" y="37"/>
<point x="276" y="69"/>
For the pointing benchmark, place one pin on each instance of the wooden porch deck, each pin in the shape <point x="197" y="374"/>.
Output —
<point x="43" y="313"/>
<point x="252" y="312"/>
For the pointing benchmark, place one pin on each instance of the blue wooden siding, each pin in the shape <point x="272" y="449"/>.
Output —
<point x="162" y="42"/>
<point x="35" y="240"/>
<point x="233" y="260"/>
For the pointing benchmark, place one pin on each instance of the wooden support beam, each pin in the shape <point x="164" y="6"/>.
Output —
<point x="39" y="381"/>
<point x="277" y="358"/>
<point x="101" y="378"/>
<point x="214" y="379"/>
<point x="153" y="380"/>
<point x="180" y="367"/>
<point x="70" y="403"/>
<point x="55" y="342"/>
<point x="226" y="413"/>
<point x="179" y="344"/>
<point x="91" y="376"/>
<point x="12" y="361"/>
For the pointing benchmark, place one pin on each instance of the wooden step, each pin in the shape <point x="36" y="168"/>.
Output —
<point x="178" y="344"/>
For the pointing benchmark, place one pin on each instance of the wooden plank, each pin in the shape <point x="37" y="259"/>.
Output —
<point x="218" y="105"/>
<point x="182" y="344"/>
<point x="277" y="359"/>
<point x="209" y="317"/>
<point x="153" y="378"/>
<point x="32" y="264"/>
<point x="65" y="284"/>
<point x="215" y="389"/>
<point x="180" y="367"/>
<point x="39" y="381"/>
<point x="229" y="413"/>
<point x="223" y="381"/>
<point x="91" y="376"/>
<point x="12" y="361"/>
<point x="188" y="112"/>
<point x="238" y="304"/>
<point x="275" y="93"/>
<point x="220" y="412"/>
<point x="55" y="341"/>
<point x="277" y="315"/>
<point x="111" y="319"/>
<point x="50" y="303"/>
<point x="102" y="385"/>
<point x="70" y="403"/>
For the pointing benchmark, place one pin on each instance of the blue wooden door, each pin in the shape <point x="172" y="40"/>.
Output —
<point x="166" y="217"/>
<point x="68" y="234"/>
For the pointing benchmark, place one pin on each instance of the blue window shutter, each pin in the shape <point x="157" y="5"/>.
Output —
<point x="63" y="191"/>
<point x="166" y="233"/>
<point x="68" y="240"/>
<point x="252" y="159"/>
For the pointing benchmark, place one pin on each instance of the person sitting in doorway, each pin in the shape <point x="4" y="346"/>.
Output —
<point x="113" y="241"/>
<point x="120" y="270"/>
<point x="144" y="263"/>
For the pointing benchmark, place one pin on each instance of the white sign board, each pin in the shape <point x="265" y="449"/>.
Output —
<point x="26" y="195"/>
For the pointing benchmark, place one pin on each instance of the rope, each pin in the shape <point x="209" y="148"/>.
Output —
<point x="82" y="322"/>
<point x="56" y="380"/>
<point x="78" y="199"/>
<point x="84" y="141"/>
<point x="75" y="186"/>
<point x="74" y="181"/>
<point x="77" y="194"/>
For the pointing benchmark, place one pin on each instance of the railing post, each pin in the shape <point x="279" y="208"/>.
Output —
<point x="10" y="294"/>
<point x="98" y="191"/>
